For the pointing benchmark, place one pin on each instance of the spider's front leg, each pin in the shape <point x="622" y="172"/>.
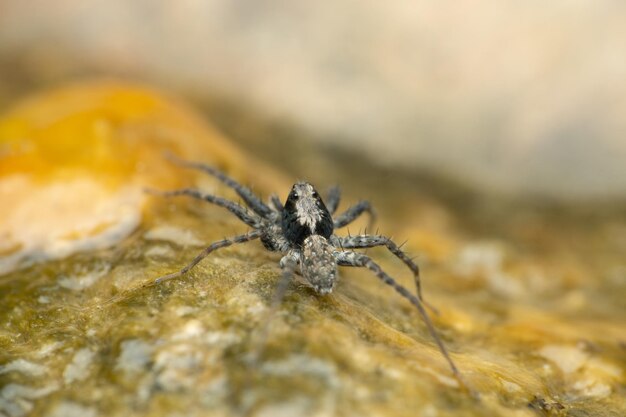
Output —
<point x="275" y="201"/>
<point x="352" y="213"/>
<point x="245" y="193"/>
<point x="370" y="241"/>
<point x="332" y="199"/>
<point x="288" y="265"/>
<point x="254" y="234"/>
<point x="239" y="211"/>
<point x="349" y="258"/>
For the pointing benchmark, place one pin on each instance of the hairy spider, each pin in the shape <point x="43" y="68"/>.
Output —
<point x="303" y="229"/>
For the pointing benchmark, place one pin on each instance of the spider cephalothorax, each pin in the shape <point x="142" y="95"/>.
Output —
<point x="305" y="214"/>
<point x="303" y="230"/>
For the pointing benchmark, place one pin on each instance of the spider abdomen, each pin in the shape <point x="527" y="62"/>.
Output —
<point x="317" y="263"/>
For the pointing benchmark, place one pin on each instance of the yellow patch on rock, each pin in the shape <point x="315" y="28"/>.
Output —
<point x="74" y="162"/>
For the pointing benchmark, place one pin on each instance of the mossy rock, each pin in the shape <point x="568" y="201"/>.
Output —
<point x="83" y="334"/>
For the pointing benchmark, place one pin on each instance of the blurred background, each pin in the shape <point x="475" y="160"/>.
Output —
<point x="515" y="98"/>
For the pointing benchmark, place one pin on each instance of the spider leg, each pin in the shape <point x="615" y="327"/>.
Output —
<point x="332" y="199"/>
<point x="370" y="241"/>
<point x="349" y="258"/>
<point x="244" y="192"/>
<point x="355" y="211"/>
<point x="278" y="205"/>
<point x="236" y="209"/>
<point x="288" y="264"/>
<point x="254" y="234"/>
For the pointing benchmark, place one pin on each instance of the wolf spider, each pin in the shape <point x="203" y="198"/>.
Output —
<point x="303" y="230"/>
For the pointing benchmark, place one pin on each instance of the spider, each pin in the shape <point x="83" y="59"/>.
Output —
<point x="303" y="230"/>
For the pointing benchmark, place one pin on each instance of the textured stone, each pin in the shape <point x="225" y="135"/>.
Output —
<point x="539" y="330"/>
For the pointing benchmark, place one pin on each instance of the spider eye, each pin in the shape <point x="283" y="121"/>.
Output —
<point x="315" y="194"/>
<point x="293" y="196"/>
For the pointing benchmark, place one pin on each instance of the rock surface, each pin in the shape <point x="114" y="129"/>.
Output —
<point x="532" y="308"/>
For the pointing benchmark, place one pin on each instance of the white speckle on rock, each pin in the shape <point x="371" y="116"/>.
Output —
<point x="192" y="329"/>
<point x="42" y="299"/>
<point x="221" y="339"/>
<point x="185" y="310"/>
<point x="177" y="367"/>
<point x="303" y="364"/>
<point x="256" y="309"/>
<point x="78" y="368"/>
<point x="87" y="215"/>
<point x="443" y="379"/>
<point x="72" y="409"/>
<point x="393" y="373"/>
<point x="158" y="251"/>
<point x="597" y="378"/>
<point x="479" y="257"/>
<point x="80" y="282"/>
<point x="510" y="387"/>
<point x="47" y="349"/>
<point x="242" y="298"/>
<point x="174" y="235"/>
<point x="16" y="400"/>
<point x="592" y="388"/>
<point x="486" y="259"/>
<point x="567" y="358"/>
<point x="135" y="356"/>
<point x="24" y="367"/>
